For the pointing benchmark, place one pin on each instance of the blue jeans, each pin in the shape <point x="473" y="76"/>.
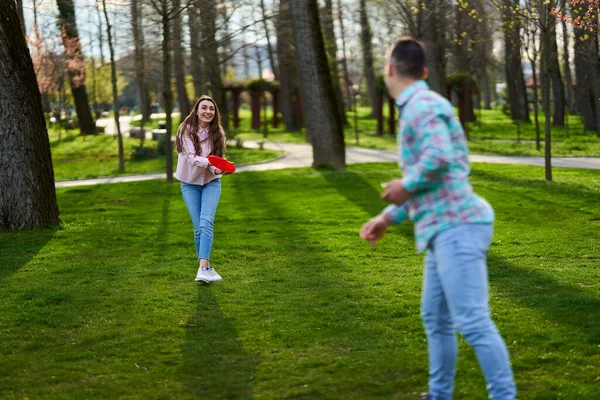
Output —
<point x="455" y="298"/>
<point x="201" y="202"/>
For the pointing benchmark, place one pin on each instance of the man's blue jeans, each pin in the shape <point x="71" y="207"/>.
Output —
<point x="201" y="202"/>
<point x="455" y="298"/>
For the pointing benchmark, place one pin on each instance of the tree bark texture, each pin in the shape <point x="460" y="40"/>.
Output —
<point x="179" y="62"/>
<point x="197" y="64"/>
<point x="27" y="192"/>
<point x="322" y="119"/>
<point x="515" y="80"/>
<point x="331" y="47"/>
<point x="366" y="41"/>
<point x="288" y="73"/>
<point x="75" y="66"/>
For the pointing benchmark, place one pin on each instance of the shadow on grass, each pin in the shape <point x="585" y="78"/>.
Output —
<point x="566" y="305"/>
<point x="361" y="193"/>
<point x="17" y="249"/>
<point x="320" y="315"/>
<point x="215" y="363"/>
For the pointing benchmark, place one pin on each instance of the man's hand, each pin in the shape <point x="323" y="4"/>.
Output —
<point x="394" y="192"/>
<point x="374" y="229"/>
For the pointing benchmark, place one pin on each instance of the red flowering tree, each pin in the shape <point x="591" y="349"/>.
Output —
<point x="585" y="15"/>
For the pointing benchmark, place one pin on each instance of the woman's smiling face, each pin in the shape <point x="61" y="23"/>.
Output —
<point x="206" y="112"/>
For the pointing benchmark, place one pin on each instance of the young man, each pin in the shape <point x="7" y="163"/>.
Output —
<point x="452" y="224"/>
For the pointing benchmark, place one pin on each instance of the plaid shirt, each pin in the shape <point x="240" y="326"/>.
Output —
<point x="434" y="161"/>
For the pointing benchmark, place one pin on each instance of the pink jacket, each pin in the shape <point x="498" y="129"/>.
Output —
<point x="195" y="169"/>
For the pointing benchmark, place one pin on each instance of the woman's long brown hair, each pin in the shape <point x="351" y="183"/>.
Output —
<point x="190" y="127"/>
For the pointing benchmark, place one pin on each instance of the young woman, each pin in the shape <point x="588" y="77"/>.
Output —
<point x="199" y="136"/>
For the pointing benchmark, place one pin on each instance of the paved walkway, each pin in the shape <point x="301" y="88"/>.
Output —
<point x="300" y="155"/>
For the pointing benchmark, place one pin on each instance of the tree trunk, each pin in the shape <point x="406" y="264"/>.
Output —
<point x="20" y="8"/>
<point x="196" y="45"/>
<point x="366" y="41"/>
<point x="436" y="43"/>
<point x="100" y="36"/>
<point x="536" y="111"/>
<point x="179" y="62"/>
<point x="75" y="67"/>
<point x="323" y="122"/>
<point x="546" y="80"/>
<point x="558" y="89"/>
<point x="347" y="82"/>
<point x="140" y="65"/>
<point x="167" y="90"/>
<point x="113" y="80"/>
<point x="270" y="51"/>
<point x="211" y="56"/>
<point x="570" y="92"/>
<point x="287" y="67"/>
<point x="331" y="47"/>
<point x="487" y="92"/>
<point x="515" y="81"/>
<point x="586" y="51"/>
<point x="27" y="197"/>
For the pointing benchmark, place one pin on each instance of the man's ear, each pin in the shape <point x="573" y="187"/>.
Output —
<point x="425" y="73"/>
<point x="390" y="70"/>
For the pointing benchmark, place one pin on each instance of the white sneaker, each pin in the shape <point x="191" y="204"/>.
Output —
<point x="213" y="275"/>
<point x="207" y="274"/>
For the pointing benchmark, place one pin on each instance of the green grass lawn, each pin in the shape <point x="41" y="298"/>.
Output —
<point x="106" y="306"/>
<point x="78" y="157"/>
<point x="493" y="133"/>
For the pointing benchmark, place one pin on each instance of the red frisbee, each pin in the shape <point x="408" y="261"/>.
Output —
<point x="221" y="164"/>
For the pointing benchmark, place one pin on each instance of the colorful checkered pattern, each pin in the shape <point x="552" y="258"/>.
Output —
<point x="434" y="161"/>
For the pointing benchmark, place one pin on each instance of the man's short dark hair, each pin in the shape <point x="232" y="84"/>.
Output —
<point x="408" y="58"/>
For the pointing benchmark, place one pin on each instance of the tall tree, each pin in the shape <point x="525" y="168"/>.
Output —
<point x="566" y="39"/>
<point x="587" y="56"/>
<point x="323" y="122"/>
<point x="347" y="82"/>
<point x="210" y="47"/>
<point x="197" y="63"/>
<point x="28" y="197"/>
<point x="288" y="77"/>
<point x="166" y="12"/>
<point x="270" y="52"/>
<point x="435" y="27"/>
<point x="558" y="88"/>
<point x="515" y="80"/>
<point x="331" y="47"/>
<point x="546" y="80"/>
<point x="75" y="66"/>
<point x="532" y="51"/>
<point x="586" y="70"/>
<point x="140" y="63"/>
<point x="179" y="63"/>
<point x="366" y="41"/>
<point x="113" y="80"/>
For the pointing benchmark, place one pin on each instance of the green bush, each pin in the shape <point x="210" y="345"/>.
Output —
<point x="140" y="153"/>
<point x="161" y="147"/>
